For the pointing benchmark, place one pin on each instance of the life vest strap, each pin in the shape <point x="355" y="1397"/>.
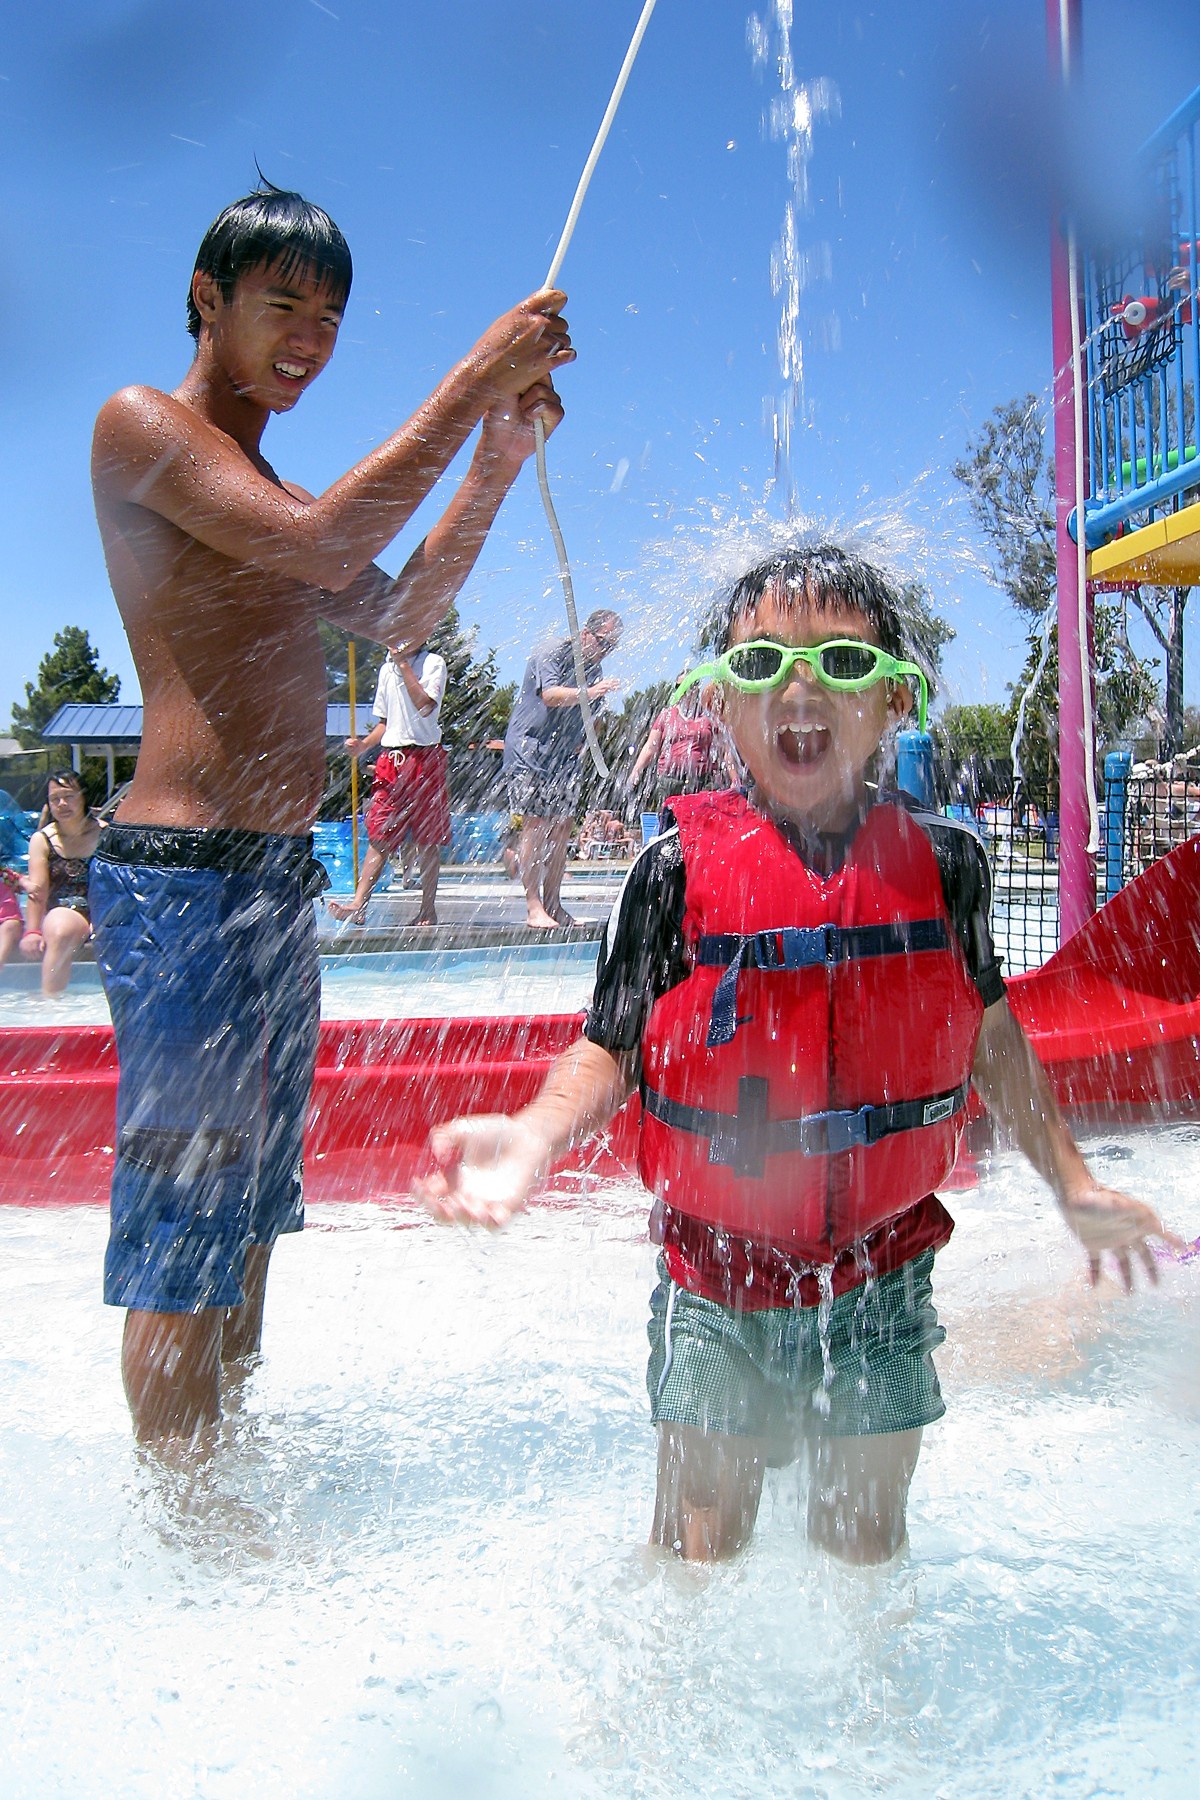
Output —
<point x="801" y="947"/>
<point x="742" y="1140"/>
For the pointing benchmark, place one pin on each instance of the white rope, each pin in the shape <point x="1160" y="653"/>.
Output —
<point x="1085" y="665"/>
<point x="539" y="431"/>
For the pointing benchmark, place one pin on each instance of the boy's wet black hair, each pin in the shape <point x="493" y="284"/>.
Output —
<point x="819" y="576"/>
<point x="278" y="228"/>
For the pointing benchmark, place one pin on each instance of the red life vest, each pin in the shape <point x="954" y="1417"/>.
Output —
<point x="807" y="1081"/>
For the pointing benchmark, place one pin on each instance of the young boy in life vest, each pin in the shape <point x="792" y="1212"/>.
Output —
<point x="800" y="981"/>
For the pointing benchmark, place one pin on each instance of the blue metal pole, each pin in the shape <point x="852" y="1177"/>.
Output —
<point x="914" y="765"/>
<point x="1117" y="765"/>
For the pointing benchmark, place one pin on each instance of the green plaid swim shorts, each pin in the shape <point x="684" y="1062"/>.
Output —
<point x="769" y="1375"/>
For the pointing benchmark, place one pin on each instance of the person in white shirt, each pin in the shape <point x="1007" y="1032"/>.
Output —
<point x="411" y="797"/>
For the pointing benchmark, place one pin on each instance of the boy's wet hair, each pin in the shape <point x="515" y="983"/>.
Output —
<point x="279" y="229"/>
<point x="814" y="577"/>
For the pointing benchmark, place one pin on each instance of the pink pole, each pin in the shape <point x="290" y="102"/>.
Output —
<point x="1076" y="869"/>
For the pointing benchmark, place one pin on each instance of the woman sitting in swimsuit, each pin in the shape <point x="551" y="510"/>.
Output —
<point x="56" y="916"/>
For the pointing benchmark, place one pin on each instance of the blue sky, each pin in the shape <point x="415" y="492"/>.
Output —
<point x="446" y="140"/>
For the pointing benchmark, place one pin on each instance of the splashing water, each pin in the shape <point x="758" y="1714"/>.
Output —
<point x="791" y="119"/>
<point x="419" y="1570"/>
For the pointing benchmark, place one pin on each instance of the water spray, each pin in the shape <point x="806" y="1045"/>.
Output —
<point x="539" y="430"/>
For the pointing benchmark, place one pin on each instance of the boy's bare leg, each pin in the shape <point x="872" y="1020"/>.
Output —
<point x="368" y="875"/>
<point x="431" y="868"/>
<point x="559" y="836"/>
<point x="242" y="1334"/>
<point x="171" y="1363"/>
<point x="171" y="1367"/>
<point x="709" y="1488"/>
<point x="859" y="1494"/>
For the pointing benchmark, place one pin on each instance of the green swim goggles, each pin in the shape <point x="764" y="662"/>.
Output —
<point x="845" y="664"/>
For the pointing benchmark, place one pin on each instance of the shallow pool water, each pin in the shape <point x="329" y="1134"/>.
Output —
<point x="419" y="1572"/>
<point x="403" y="984"/>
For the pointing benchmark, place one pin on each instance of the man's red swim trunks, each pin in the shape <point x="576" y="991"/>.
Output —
<point x="410" y="798"/>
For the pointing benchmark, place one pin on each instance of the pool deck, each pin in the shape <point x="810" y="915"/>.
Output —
<point x="478" y="908"/>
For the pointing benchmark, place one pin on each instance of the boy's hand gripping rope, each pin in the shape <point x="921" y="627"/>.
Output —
<point x="539" y="432"/>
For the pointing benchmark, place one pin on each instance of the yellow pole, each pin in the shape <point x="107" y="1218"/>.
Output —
<point x="353" y="677"/>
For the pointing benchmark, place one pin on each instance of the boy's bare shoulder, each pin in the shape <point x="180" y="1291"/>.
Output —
<point x="136" y="407"/>
<point x="139" y="429"/>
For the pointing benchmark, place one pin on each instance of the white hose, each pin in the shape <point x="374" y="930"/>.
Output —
<point x="1018" y="736"/>
<point x="1085" y="665"/>
<point x="539" y="432"/>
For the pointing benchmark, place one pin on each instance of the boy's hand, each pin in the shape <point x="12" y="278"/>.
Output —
<point x="508" y="426"/>
<point x="1104" y="1219"/>
<point x="486" y="1168"/>
<point x="526" y="345"/>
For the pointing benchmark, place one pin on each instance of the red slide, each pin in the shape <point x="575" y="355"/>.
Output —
<point x="1115" y="1014"/>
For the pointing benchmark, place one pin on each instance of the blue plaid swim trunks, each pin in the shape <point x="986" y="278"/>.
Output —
<point x="206" y="943"/>
<point x="865" y="1365"/>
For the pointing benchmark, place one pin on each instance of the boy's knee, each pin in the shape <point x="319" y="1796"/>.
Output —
<point x="859" y="1522"/>
<point x="855" y="1535"/>
<point x="708" y="1493"/>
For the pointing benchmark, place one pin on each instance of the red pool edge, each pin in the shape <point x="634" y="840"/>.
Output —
<point x="381" y="1085"/>
<point x="1114" y="1016"/>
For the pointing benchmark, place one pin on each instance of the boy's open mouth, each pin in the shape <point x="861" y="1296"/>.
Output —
<point x="291" y="371"/>
<point x="802" y="745"/>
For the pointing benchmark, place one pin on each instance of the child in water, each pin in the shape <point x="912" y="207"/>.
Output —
<point x="799" y="979"/>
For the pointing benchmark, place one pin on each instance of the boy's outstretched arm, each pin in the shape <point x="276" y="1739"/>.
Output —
<point x="409" y="607"/>
<point x="154" y="451"/>
<point x="487" y="1165"/>
<point x="1014" y="1087"/>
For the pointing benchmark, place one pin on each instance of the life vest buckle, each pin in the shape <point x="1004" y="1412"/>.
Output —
<point x="797" y="947"/>
<point x="833" y="1133"/>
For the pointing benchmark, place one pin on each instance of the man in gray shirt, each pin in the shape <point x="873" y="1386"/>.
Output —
<point x="542" y="759"/>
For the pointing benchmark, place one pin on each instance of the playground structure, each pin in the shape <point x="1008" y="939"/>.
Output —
<point x="1142" y="370"/>
<point x="1126" y="342"/>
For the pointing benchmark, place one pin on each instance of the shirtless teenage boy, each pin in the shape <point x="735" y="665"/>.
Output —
<point x="201" y="900"/>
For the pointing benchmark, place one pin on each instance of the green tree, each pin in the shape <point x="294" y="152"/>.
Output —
<point x="476" y="708"/>
<point x="1125" y="693"/>
<point x="1010" y="483"/>
<point x="1164" y="610"/>
<point x="983" y="730"/>
<point x="70" y="671"/>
